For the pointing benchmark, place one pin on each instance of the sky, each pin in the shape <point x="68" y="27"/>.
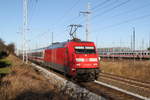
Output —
<point x="111" y="21"/>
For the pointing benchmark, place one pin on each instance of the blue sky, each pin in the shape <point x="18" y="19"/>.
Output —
<point x="111" y="22"/>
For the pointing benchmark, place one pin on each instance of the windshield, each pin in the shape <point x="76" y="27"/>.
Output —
<point x="85" y="49"/>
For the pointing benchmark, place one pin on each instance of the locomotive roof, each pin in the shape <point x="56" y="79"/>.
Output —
<point x="62" y="44"/>
<point x="57" y="45"/>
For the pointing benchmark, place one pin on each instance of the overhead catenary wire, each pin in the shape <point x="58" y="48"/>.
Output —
<point x="100" y="4"/>
<point x="68" y="12"/>
<point x="112" y="8"/>
<point x="33" y="9"/>
<point x="104" y="5"/>
<point x="77" y="17"/>
<point x="93" y="8"/>
<point x="125" y="21"/>
<point x="74" y="19"/>
<point x="132" y="10"/>
<point x="109" y="9"/>
<point x="129" y="20"/>
<point x="61" y="19"/>
<point x="116" y="6"/>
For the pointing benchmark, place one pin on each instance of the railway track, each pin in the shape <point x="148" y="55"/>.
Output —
<point x="105" y="91"/>
<point x="132" y="85"/>
<point x="125" y="79"/>
<point x="111" y="92"/>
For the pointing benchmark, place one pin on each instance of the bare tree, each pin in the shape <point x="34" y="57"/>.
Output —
<point x="2" y="45"/>
<point x="11" y="48"/>
<point x="6" y="49"/>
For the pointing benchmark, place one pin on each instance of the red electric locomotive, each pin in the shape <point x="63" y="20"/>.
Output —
<point x="77" y="59"/>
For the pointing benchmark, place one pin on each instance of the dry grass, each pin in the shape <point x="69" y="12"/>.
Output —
<point x="24" y="83"/>
<point x="139" y="70"/>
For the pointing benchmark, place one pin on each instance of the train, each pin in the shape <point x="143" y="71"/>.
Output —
<point x="78" y="60"/>
<point x="138" y="54"/>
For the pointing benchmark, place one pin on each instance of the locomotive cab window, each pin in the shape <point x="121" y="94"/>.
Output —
<point x="85" y="49"/>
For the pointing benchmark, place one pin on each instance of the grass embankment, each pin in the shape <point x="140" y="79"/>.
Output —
<point x="5" y="70"/>
<point x="139" y="70"/>
<point x="4" y="66"/>
<point x="24" y="83"/>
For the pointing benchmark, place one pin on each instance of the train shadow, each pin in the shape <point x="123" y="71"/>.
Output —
<point x="31" y="95"/>
<point x="42" y="95"/>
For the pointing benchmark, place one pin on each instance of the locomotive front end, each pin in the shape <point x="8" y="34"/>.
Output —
<point x="85" y="62"/>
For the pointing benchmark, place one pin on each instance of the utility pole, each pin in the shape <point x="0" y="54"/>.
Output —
<point x="87" y="14"/>
<point x="133" y="39"/>
<point x="52" y="38"/>
<point x="149" y="40"/>
<point x="25" y="25"/>
<point x="142" y="44"/>
<point x="131" y="43"/>
<point x="149" y="43"/>
<point x="134" y="43"/>
<point x="96" y="42"/>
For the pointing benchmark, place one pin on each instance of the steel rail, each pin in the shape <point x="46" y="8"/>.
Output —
<point x="128" y="81"/>
<point x="125" y="78"/>
<point x="123" y="91"/>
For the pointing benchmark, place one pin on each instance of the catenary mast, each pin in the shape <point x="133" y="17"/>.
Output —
<point x="87" y="14"/>
<point x="24" y="32"/>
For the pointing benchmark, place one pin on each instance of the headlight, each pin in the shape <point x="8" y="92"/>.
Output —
<point x="92" y="59"/>
<point x="73" y="69"/>
<point x="79" y="60"/>
<point x="99" y="58"/>
<point x="78" y="64"/>
<point x="95" y="64"/>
